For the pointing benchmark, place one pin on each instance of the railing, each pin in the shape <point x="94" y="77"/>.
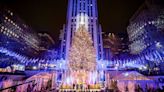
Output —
<point x="80" y="90"/>
<point x="11" y="87"/>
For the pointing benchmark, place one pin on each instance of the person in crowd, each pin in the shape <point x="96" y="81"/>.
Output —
<point x="29" y="88"/>
<point x="81" y="86"/>
<point x="158" y="89"/>
<point x="73" y="86"/>
<point x="136" y="88"/>
<point x="140" y="89"/>
<point x="126" y="89"/>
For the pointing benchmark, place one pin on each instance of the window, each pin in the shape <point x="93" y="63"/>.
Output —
<point x="84" y="5"/>
<point x="73" y="8"/>
<point x="80" y="5"/>
<point x="88" y="11"/>
<point x="2" y="27"/>
<point x="1" y="30"/>
<point x="91" y="20"/>
<point x="72" y="20"/>
<point x="76" y="6"/>
<point x="91" y="10"/>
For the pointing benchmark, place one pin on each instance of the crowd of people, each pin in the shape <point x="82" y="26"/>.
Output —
<point x="137" y="89"/>
<point x="133" y="86"/>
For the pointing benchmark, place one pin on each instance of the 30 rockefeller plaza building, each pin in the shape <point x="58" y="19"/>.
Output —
<point x="82" y="12"/>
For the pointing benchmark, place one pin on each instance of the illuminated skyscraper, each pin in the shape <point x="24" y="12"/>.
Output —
<point x="81" y="12"/>
<point x="145" y="30"/>
<point x="16" y="36"/>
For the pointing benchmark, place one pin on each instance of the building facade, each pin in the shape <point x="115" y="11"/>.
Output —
<point x="115" y="46"/>
<point x="145" y="30"/>
<point x="81" y="12"/>
<point x="146" y="35"/>
<point x="15" y="35"/>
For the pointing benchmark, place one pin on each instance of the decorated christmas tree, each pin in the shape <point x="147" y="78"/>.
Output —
<point x="82" y="55"/>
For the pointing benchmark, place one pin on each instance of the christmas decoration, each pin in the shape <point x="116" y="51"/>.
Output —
<point x="82" y="52"/>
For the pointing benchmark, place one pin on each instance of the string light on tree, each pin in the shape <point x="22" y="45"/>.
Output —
<point x="82" y="52"/>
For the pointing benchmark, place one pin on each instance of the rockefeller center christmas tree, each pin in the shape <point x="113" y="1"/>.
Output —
<point x="82" y="55"/>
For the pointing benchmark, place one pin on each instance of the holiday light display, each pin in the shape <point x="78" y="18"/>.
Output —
<point x="82" y="52"/>
<point x="139" y="61"/>
<point x="19" y="57"/>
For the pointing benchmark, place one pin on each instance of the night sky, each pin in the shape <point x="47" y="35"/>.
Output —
<point x="50" y="15"/>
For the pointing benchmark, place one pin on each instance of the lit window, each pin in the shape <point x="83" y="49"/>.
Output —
<point x="6" y="17"/>
<point x="11" y="14"/>
<point x="2" y="27"/>
<point x="4" y="32"/>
